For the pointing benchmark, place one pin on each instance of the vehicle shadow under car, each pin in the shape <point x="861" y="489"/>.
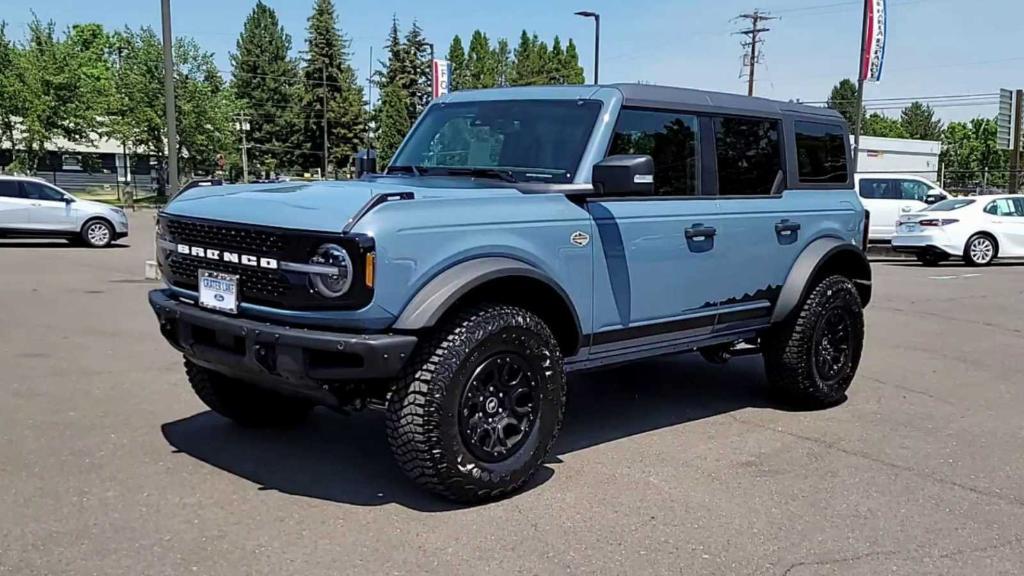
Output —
<point x="347" y="459"/>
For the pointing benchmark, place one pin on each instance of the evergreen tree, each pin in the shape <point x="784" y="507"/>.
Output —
<point x="572" y="71"/>
<point x="522" y="70"/>
<point x="457" y="59"/>
<point x="265" y="80"/>
<point x="919" y="122"/>
<point x="843" y="99"/>
<point x="481" y="68"/>
<point x="393" y="122"/>
<point x="420" y="89"/>
<point x="503" y="62"/>
<point x="554" y="66"/>
<point x="328" y="73"/>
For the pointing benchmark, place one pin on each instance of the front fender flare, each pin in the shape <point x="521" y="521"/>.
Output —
<point x="444" y="290"/>
<point x="817" y="254"/>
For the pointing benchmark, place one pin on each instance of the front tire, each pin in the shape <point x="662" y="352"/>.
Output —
<point x="480" y="406"/>
<point x="246" y="404"/>
<point x="980" y="250"/>
<point x="97" y="233"/>
<point x="813" y="357"/>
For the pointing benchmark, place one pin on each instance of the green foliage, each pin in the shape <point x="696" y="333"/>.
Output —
<point x="882" y="126"/>
<point x="328" y="74"/>
<point x="457" y="59"/>
<point x="393" y="122"/>
<point x="265" y="80"/>
<point x="481" y="64"/>
<point x="138" y="106"/>
<point x="571" y="65"/>
<point x="919" y="122"/>
<point x="969" y="151"/>
<point x="417" y="50"/>
<point x="204" y="107"/>
<point x="843" y="99"/>
<point x="503" y="62"/>
<point x="8" y="101"/>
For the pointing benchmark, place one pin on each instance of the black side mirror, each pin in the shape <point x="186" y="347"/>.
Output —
<point x="624" y="175"/>
<point x="933" y="199"/>
<point x="366" y="162"/>
<point x="68" y="199"/>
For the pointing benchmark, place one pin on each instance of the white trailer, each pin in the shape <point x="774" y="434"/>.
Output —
<point x="899" y="156"/>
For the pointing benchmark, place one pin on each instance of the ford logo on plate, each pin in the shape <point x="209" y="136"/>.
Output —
<point x="218" y="297"/>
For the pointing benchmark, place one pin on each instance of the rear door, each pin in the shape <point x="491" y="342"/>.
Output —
<point x="657" y="262"/>
<point x="48" y="210"/>
<point x="13" y="208"/>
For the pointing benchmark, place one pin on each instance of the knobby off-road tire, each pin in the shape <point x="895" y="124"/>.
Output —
<point x="246" y="404"/>
<point x="488" y="363"/>
<point x="812" y="357"/>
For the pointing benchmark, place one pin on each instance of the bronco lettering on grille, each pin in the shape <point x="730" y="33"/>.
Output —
<point x="230" y="257"/>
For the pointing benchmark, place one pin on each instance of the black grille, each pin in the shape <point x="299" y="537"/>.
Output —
<point x="257" y="285"/>
<point x="230" y="237"/>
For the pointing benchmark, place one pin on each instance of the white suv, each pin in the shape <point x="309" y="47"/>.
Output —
<point x="34" y="208"/>
<point x="888" y="196"/>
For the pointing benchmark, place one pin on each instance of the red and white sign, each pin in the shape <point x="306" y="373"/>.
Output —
<point x="442" y="72"/>
<point x="873" y="44"/>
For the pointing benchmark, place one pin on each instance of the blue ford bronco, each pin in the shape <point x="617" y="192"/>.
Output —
<point x="519" y="234"/>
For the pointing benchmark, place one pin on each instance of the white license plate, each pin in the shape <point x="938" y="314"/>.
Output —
<point x="218" y="291"/>
<point x="910" y="227"/>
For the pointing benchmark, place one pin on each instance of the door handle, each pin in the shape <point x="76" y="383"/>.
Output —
<point x="35" y="204"/>
<point x="700" y="232"/>
<point x="786" y="227"/>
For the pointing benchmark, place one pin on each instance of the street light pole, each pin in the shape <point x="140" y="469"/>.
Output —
<point x="172" y="127"/>
<point x="597" y="41"/>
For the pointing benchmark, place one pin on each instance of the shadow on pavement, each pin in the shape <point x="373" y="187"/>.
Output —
<point x="347" y="460"/>
<point x="54" y="244"/>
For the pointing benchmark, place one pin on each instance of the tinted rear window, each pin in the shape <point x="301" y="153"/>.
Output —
<point x="950" y="205"/>
<point x="748" y="156"/>
<point x="821" y="153"/>
<point x="9" y="189"/>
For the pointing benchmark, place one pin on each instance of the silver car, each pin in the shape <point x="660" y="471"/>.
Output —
<point x="34" y="208"/>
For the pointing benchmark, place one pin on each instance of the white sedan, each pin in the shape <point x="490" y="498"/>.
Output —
<point x="977" y="229"/>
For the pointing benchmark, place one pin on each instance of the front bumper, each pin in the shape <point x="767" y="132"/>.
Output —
<point x="290" y="359"/>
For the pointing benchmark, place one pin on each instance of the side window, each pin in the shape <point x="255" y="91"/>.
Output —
<point x="9" y="189"/>
<point x="669" y="138"/>
<point x="913" y="190"/>
<point x="748" y="156"/>
<point x="1020" y="206"/>
<point x="1002" y="207"/>
<point x="37" y="191"/>
<point x="821" y="153"/>
<point x="876" y="189"/>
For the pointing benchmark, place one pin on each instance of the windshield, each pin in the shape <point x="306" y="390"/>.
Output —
<point x="522" y="140"/>
<point x="949" y="205"/>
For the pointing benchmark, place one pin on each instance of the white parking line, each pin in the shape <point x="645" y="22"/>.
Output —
<point x="956" y="277"/>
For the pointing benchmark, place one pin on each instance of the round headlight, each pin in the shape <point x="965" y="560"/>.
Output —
<point x="332" y="285"/>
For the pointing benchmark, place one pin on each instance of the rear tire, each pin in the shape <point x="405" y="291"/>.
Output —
<point x="980" y="250"/>
<point x="97" y="233"/>
<point x="931" y="259"/>
<point x="812" y="357"/>
<point x="480" y="405"/>
<point x="246" y="404"/>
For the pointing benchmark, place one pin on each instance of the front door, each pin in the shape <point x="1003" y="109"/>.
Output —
<point x="48" y="210"/>
<point x="656" y="269"/>
<point x="1006" y="217"/>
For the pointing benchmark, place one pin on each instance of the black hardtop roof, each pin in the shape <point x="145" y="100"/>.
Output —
<point x="652" y="96"/>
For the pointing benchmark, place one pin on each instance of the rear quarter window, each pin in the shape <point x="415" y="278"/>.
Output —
<point x="821" y="153"/>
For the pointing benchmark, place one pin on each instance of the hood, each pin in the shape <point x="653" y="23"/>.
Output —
<point x="320" y="206"/>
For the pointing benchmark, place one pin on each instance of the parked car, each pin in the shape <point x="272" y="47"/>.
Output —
<point x="977" y="230"/>
<point x="520" y="234"/>
<point x="34" y="208"/>
<point x="888" y="196"/>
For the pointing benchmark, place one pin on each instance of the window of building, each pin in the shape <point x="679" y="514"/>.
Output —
<point x="748" y="154"/>
<point x="821" y="153"/>
<point x="671" y="139"/>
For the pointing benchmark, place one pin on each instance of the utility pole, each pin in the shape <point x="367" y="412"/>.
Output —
<point x="369" y="92"/>
<point x="242" y="123"/>
<point x="753" y="33"/>
<point x="1018" y="138"/>
<point x="323" y="69"/>
<point x="172" y="125"/>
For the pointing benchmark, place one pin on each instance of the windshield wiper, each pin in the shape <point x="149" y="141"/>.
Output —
<point x="408" y="169"/>
<point x="505" y="175"/>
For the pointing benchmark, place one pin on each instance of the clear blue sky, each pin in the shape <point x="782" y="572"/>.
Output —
<point x="935" y="47"/>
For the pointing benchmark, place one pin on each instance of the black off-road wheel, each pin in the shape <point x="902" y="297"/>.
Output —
<point x="478" y="409"/>
<point x="812" y="357"/>
<point x="246" y="404"/>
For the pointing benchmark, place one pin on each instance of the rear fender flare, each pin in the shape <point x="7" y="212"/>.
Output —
<point x="810" y="263"/>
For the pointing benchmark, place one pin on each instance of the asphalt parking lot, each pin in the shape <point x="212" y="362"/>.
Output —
<point x="109" y="464"/>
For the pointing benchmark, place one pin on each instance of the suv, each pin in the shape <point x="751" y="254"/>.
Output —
<point x="889" y="196"/>
<point x="34" y="208"/>
<point x="520" y="234"/>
